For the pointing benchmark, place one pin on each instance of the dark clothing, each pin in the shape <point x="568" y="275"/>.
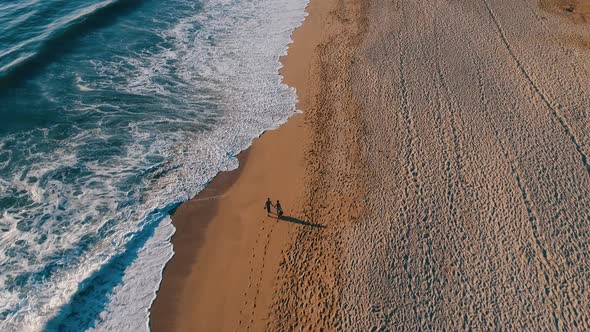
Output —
<point x="268" y="204"/>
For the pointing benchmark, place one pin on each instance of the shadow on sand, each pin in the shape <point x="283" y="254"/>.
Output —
<point x="299" y="221"/>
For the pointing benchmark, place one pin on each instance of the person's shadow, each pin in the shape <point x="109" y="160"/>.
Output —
<point x="299" y="221"/>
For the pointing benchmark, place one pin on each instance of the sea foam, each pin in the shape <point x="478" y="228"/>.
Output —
<point x="87" y="248"/>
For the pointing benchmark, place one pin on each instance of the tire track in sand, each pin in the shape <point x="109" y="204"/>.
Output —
<point x="546" y="264"/>
<point x="423" y="281"/>
<point x="556" y="114"/>
<point x="456" y="183"/>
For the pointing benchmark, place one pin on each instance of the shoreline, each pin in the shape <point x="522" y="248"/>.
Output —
<point x="425" y="179"/>
<point x="192" y="268"/>
<point x="191" y="284"/>
<point x="176" y="270"/>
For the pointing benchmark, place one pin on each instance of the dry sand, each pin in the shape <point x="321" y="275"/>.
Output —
<point x="439" y="179"/>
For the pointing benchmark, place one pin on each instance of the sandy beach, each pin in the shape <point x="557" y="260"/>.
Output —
<point x="438" y="178"/>
<point x="227" y="250"/>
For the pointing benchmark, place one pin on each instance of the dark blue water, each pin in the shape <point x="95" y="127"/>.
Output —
<point x="111" y="113"/>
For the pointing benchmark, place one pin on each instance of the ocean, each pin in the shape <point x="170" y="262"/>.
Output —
<point x="112" y="113"/>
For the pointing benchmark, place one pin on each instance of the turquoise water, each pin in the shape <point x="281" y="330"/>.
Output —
<point x="111" y="114"/>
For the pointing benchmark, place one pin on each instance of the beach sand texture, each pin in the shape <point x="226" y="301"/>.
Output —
<point x="439" y="176"/>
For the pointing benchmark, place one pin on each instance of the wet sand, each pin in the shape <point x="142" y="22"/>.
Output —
<point x="438" y="179"/>
<point x="225" y="275"/>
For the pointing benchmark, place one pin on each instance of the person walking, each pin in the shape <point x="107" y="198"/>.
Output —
<point x="279" y="209"/>
<point x="267" y="206"/>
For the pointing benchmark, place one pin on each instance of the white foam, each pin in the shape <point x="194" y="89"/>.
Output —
<point x="239" y="66"/>
<point x="231" y="62"/>
<point x="127" y="309"/>
<point x="81" y="12"/>
<point x="16" y="61"/>
<point x="80" y="84"/>
<point x="47" y="31"/>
